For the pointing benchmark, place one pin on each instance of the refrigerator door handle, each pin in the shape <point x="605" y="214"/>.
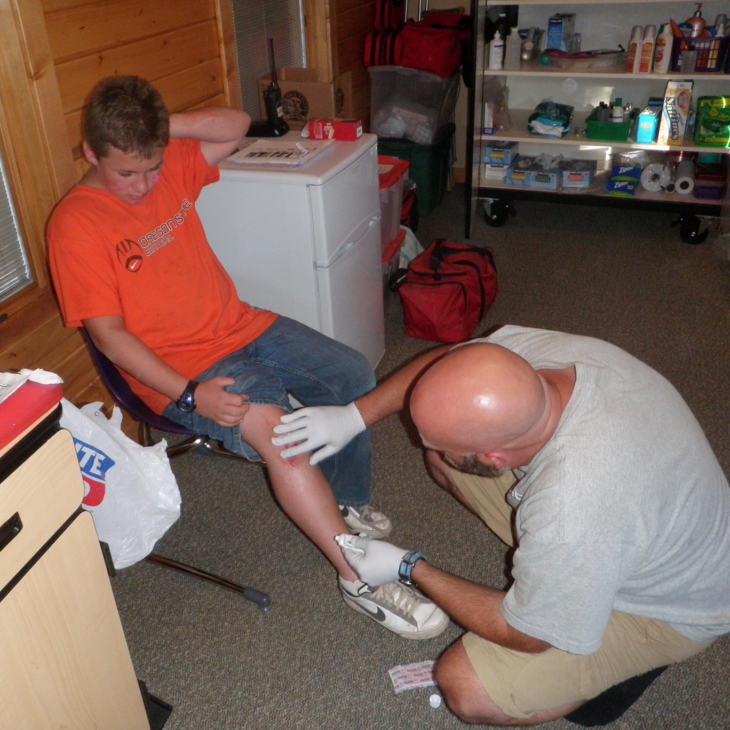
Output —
<point x="344" y="249"/>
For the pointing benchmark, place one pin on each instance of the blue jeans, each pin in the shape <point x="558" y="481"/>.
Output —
<point x="318" y="371"/>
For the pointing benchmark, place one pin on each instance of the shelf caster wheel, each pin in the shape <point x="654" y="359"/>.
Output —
<point x="689" y="229"/>
<point x="497" y="212"/>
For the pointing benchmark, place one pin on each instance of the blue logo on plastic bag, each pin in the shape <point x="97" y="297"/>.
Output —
<point x="94" y="465"/>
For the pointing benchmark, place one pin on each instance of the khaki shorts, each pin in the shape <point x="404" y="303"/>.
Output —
<point x="521" y="684"/>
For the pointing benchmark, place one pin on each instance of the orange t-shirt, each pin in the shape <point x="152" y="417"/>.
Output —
<point x="152" y="265"/>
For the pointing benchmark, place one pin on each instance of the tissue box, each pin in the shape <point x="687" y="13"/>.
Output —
<point x="518" y="173"/>
<point x="347" y="130"/>
<point x="542" y="179"/>
<point x="500" y="154"/>
<point x="578" y="173"/>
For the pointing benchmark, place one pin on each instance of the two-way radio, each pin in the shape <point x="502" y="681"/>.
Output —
<point x="274" y="125"/>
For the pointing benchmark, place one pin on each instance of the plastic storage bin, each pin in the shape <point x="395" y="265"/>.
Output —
<point x="430" y="166"/>
<point x="391" y="175"/>
<point x="410" y="104"/>
<point x="609" y="131"/>
<point x="711" y="53"/>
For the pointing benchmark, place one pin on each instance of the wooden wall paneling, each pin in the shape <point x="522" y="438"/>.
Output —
<point x="354" y="19"/>
<point x="149" y="58"/>
<point x="27" y="71"/>
<point x="228" y="55"/>
<point x="50" y="5"/>
<point x="320" y="51"/>
<point x="79" y="31"/>
<point x="183" y="90"/>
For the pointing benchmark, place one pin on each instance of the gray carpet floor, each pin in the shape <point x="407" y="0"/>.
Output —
<point x="312" y="663"/>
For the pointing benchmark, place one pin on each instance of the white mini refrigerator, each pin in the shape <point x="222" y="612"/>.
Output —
<point x="304" y="241"/>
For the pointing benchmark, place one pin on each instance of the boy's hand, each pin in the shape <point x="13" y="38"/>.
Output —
<point x="214" y="402"/>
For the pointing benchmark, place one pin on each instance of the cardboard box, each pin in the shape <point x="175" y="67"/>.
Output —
<point x="545" y="179"/>
<point x="307" y="94"/>
<point x="578" y="173"/>
<point x="347" y="130"/>
<point x="518" y="172"/>
<point x="677" y="99"/>
<point x="560" y="27"/>
<point x="622" y="188"/>
<point x="648" y="126"/>
<point x="500" y="154"/>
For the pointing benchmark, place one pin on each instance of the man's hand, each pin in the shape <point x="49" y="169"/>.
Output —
<point x="214" y="402"/>
<point x="375" y="561"/>
<point x="327" y="428"/>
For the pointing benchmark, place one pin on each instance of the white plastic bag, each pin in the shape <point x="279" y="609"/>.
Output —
<point x="129" y="489"/>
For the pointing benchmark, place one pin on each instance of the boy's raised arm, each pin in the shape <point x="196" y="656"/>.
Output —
<point x="219" y="129"/>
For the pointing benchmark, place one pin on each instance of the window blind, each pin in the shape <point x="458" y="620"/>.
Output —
<point x="254" y="22"/>
<point x="15" y="272"/>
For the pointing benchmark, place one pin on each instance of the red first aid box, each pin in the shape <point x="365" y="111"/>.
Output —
<point x="347" y="130"/>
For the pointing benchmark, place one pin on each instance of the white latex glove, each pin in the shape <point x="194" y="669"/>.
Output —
<point x="327" y="428"/>
<point x="375" y="561"/>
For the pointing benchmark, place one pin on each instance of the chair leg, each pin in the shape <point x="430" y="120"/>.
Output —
<point x="262" y="600"/>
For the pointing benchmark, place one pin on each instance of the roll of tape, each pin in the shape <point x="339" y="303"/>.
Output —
<point x="655" y="177"/>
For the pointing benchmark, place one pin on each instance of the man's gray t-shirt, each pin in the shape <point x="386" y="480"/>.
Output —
<point x="625" y="509"/>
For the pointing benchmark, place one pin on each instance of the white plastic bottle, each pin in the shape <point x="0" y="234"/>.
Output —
<point x="637" y="36"/>
<point x="617" y="114"/>
<point x="663" y="51"/>
<point x="647" y="50"/>
<point x="496" y="52"/>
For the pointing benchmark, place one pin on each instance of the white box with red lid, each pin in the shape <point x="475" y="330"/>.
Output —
<point x="391" y="173"/>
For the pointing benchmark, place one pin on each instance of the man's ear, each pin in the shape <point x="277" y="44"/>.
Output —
<point x="89" y="154"/>
<point x="494" y="459"/>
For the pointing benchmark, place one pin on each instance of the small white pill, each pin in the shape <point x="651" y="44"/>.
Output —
<point x="435" y="700"/>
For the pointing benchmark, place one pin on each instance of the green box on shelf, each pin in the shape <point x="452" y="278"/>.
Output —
<point x="430" y="165"/>
<point x="607" y="131"/>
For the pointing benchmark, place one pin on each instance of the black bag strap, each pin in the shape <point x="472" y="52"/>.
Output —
<point x="441" y="247"/>
<point x="396" y="279"/>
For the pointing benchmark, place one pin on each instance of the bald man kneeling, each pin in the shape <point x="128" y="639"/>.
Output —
<point x="589" y="463"/>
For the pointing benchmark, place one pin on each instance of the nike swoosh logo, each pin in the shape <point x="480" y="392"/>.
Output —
<point x="378" y="615"/>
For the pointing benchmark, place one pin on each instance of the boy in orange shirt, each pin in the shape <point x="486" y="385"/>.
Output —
<point x="131" y="263"/>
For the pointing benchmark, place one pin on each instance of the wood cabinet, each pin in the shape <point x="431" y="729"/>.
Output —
<point x="602" y="24"/>
<point x="64" y="660"/>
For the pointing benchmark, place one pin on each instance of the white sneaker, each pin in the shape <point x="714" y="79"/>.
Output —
<point x="397" y="607"/>
<point x="367" y="522"/>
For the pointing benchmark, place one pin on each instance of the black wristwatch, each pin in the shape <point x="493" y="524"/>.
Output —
<point x="406" y="566"/>
<point x="186" y="402"/>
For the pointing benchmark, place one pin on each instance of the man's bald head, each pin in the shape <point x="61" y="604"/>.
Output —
<point x="478" y="398"/>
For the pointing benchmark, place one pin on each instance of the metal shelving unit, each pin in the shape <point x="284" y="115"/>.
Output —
<point x="497" y="196"/>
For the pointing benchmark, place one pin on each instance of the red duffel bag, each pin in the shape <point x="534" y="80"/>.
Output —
<point x="446" y="291"/>
<point x="437" y="44"/>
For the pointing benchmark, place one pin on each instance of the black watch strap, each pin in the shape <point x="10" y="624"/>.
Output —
<point x="186" y="402"/>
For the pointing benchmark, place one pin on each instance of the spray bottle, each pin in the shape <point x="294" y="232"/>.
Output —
<point x="697" y="23"/>
<point x="663" y="52"/>
<point x="647" y="49"/>
<point x="637" y="36"/>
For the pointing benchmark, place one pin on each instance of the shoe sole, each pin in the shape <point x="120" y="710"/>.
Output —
<point x="421" y="635"/>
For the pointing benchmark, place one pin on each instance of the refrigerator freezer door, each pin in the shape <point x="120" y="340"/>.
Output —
<point x="345" y="207"/>
<point x="351" y="297"/>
